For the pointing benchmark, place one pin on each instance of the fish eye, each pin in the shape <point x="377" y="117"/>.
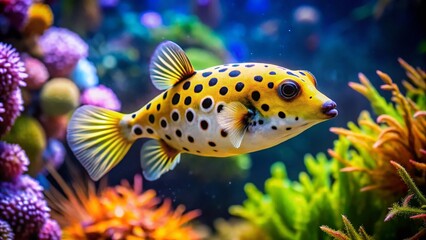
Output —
<point x="289" y="89"/>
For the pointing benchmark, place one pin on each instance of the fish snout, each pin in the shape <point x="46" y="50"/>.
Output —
<point x="329" y="109"/>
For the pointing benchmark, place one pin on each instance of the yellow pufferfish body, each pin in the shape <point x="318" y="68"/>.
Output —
<point x="220" y="111"/>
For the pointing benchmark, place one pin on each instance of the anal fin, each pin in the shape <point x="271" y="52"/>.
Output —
<point x="234" y="118"/>
<point x="157" y="157"/>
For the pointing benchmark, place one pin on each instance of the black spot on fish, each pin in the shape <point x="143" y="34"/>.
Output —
<point x="190" y="139"/>
<point x="189" y="116"/>
<point x="168" y="137"/>
<point x="206" y="74"/>
<point x="281" y="114"/>
<point x="255" y="95"/>
<point x="288" y="129"/>
<point x="302" y="73"/>
<point x="137" y="131"/>
<point x="178" y="133"/>
<point x="310" y="97"/>
<point x="260" y="122"/>
<point x="149" y="130"/>
<point x="297" y="118"/>
<point x="163" y="123"/>
<point x="216" y="67"/>
<point x="148" y="106"/>
<point x="198" y="88"/>
<point x="223" y="91"/>
<point x="186" y="85"/>
<point x="234" y="73"/>
<point x="274" y="127"/>
<point x="266" y="66"/>
<point x="219" y="108"/>
<point x="265" y="107"/>
<point x="239" y="86"/>
<point x="165" y="95"/>
<point x="176" y="98"/>
<point x="212" y="82"/>
<point x="186" y="149"/>
<point x="223" y="133"/>
<point x="204" y="124"/>
<point x="272" y="73"/>
<point x="188" y="100"/>
<point x="207" y="103"/>
<point x="198" y="151"/>
<point x="292" y="74"/>
<point x="223" y="69"/>
<point x="175" y="116"/>
<point x="133" y="115"/>
<point x="270" y="85"/>
<point x="249" y="65"/>
<point x="258" y="78"/>
<point x="151" y="118"/>
<point x="158" y="107"/>
<point x="234" y="65"/>
<point x="212" y="144"/>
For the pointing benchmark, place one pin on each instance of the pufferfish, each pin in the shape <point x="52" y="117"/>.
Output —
<point x="221" y="111"/>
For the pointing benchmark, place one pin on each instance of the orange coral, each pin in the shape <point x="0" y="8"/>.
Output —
<point x="121" y="212"/>
<point x="399" y="134"/>
<point x="40" y="18"/>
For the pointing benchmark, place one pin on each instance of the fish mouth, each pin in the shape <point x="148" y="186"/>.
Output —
<point x="329" y="109"/>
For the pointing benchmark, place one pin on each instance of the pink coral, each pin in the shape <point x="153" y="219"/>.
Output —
<point x="50" y="231"/>
<point x="6" y="232"/>
<point x="100" y="96"/>
<point x="17" y="12"/>
<point x="12" y="70"/>
<point x="13" y="161"/>
<point x="62" y="50"/>
<point x="10" y="110"/>
<point x="37" y="73"/>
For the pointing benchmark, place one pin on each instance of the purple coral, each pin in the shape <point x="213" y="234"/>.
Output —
<point x="6" y="232"/>
<point x="62" y="50"/>
<point x="10" y="110"/>
<point x="50" y="231"/>
<point x="37" y="73"/>
<point x="17" y="12"/>
<point x="12" y="70"/>
<point x="13" y="161"/>
<point x="100" y="96"/>
<point x="24" y="212"/>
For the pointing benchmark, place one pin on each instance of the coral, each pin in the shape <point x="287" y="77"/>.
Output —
<point x="13" y="161"/>
<point x="12" y="107"/>
<point x="100" y="96"/>
<point x="55" y="126"/>
<point x="59" y="96"/>
<point x="202" y="59"/>
<point x="23" y="210"/>
<point x="84" y="74"/>
<point x="121" y="212"/>
<point x="17" y="12"/>
<point x="12" y="70"/>
<point x="37" y="73"/>
<point x="50" y="231"/>
<point x="6" y="232"/>
<point x="28" y="133"/>
<point x="62" y="49"/>
<point x="40" y="18"/>
<point x="398" y="135"/>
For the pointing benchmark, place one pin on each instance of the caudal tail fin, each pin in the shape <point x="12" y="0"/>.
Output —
<point x="95" y="137"/>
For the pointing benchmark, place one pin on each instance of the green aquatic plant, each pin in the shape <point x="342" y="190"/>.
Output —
<point x="359" y="181"/>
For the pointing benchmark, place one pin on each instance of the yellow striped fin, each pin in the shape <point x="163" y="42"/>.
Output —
<point x="169" y="65"/>
<point x="157" y="158"/>
<point x="95" y="137"/>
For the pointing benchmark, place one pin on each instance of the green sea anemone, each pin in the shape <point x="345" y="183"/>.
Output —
<point x="59" y="96"/>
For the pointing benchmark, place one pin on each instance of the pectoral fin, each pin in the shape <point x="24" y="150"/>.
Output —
<point x="157" y="157"/>
<point x="234" y="118"/>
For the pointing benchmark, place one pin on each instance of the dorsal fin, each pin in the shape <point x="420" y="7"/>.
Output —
<point x="169" y="65"/>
